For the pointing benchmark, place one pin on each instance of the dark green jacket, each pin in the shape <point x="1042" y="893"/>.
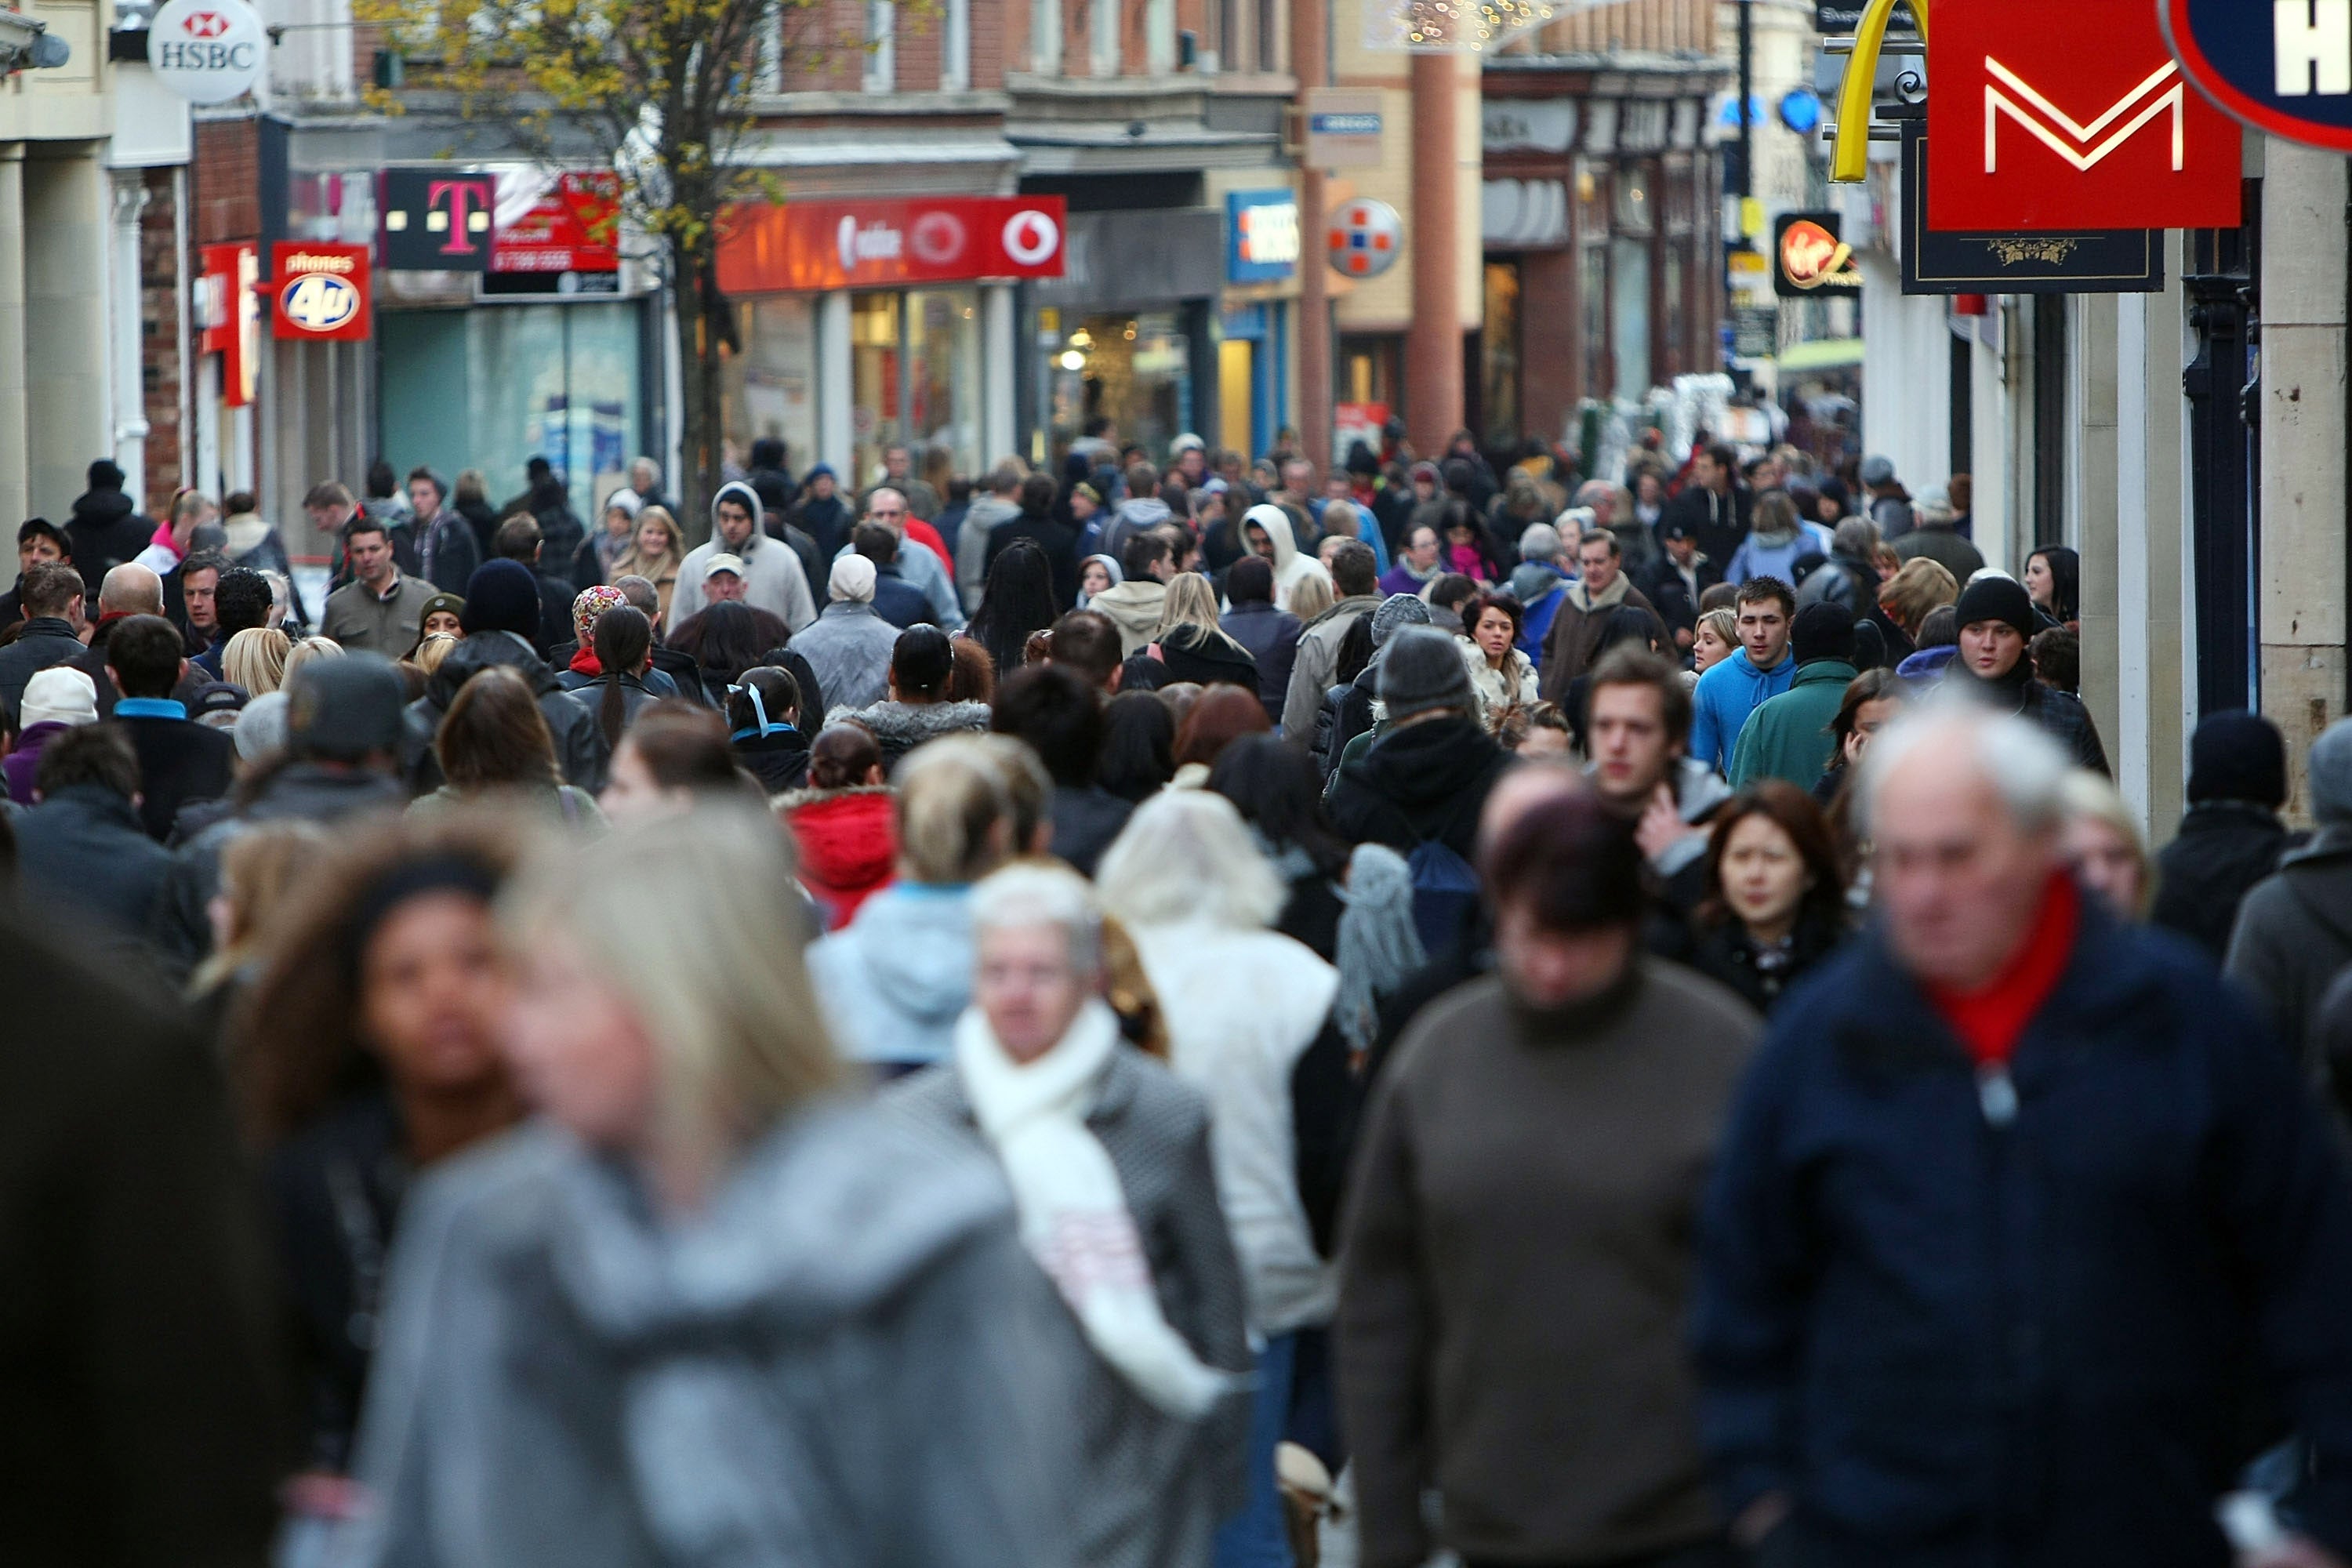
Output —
<point x="1788" y="736"/>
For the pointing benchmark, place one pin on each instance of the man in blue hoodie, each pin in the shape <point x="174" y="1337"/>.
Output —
<point x="1762" y="669"/>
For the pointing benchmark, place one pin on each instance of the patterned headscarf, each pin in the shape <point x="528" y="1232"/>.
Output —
<point x="591" y="603"/>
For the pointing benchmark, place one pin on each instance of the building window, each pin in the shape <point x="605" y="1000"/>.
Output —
<point x="1369" y="372"/>
<point x="1498" y="355"/>
<point x="1225" y="41"/>
<point x="1270" y="35"/>
<point x="1102" y="38"/>
<point x="1046" y="37"/>
<point x="1159" y="36"/>
<point x="955" y="48"/>
<point x="881" y="51"/>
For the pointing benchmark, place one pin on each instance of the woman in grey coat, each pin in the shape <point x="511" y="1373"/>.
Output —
<point x="705" y="1311"/>
<point x="1108" y="1158"/>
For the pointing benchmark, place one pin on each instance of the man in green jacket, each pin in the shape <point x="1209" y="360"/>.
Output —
<point x="1788" y="736"/>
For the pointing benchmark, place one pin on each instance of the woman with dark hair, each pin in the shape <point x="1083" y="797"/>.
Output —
<point x="624" y="645"/>
<point x="919" y="708"/>
<point x="843" y="822"/>
<point x="673" y="759"/>
<point x="763" y="712"/>
<point x="1276" y="788"/>
<point x="494" y="743"/>
<point x="1775" y="893"/>
<point x="1017" y="600"/>
<point x="1138" y="744"/>
<point x="366" y="1049"/>
<point x="1468" y="548"/>
<point x="1223" y="715"/>
<point x="2053" y="580"/>
<point x="1504" y="678"/>
<point x="1871" y="701"/>
<point x="732" y="642"/>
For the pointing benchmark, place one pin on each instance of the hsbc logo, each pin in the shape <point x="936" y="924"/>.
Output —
<point x="2074" y="143"/>
<point x="204" y="24"/>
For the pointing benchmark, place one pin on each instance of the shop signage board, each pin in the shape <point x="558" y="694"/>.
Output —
<point x="2055" y="119"/>
<point x="2284" y="68"/>
<point x="436" y="219"/>
<point x="801" y="246"/>
<point x="228" y="314"/>
<point x="1354" y="422"/>
<point x="2071" y="261"/>
<point x="1839" y="18"/>
<point x="1343" y="127"/>
<point x="1261" y="235"/>
<point x="1364" y="237"/>
<point x="567" y="242"/>
<point x="1809" y="261"/>
<point x="207" y="51"/>
<point x="320" y="293"/>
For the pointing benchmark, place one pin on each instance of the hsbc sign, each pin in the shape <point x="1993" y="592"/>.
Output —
<point x="2281" y="66"/>
<point x="2048" y="119"/>
<point x="207" y="51"/>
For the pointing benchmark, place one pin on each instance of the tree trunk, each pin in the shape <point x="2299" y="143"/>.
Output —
<point x="699" y="338"/>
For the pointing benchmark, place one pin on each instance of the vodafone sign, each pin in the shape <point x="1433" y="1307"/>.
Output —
<point x="2068" y="117"/>
<point x="805" y="245"/>
<point x="207" y="51"/>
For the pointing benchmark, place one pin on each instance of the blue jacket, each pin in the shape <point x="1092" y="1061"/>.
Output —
<point x="1726" y="694"/>
<point x="1952" y="1340"/>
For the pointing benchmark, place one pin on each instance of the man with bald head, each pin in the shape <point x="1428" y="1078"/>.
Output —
<point x="2018" y="1212"/>
<point x="127" y="589"/>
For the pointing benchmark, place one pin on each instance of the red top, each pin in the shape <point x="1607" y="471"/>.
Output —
<point x="1989" y="1019"/>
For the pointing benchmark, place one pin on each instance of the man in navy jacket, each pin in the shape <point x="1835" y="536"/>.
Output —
<point x="2025" y="1235"/>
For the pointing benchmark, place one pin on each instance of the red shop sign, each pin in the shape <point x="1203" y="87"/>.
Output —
<point x="2068" y="117"/>
<point x="575" y="227"/>
<point x="320" y="292"/>
<point x="932" y="239"/>
<point x="229" y="314"/>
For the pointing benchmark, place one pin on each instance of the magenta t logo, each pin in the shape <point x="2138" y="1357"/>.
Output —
<point x="458" y="210"/>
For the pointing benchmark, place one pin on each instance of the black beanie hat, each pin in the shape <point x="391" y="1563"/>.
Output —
<point x="2000" y="599"/>
<point x="1822" y="631"/>
<point x="501" y="596"/>
<point x="2237" y="756"/>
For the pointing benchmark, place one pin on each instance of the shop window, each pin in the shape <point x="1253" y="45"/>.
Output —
<point x="1635" y="212"/>
<point x="943" y="372"/>
<point x="881" y="45"/>
<point x="1135" y="371"/>
<point x="1102" y="38"/>
<point x="1628" y="298"/>
<point x="1371" y="371"/>
<point x="1593" y="301"/>
<point x="1592" y="198"/>
<point x="1046" y="37"/>
<point x="1270" y="35"/>
<point x="1498" y="355"/>
<point x="1676" y="315"/>
<point x="768" y="389"/>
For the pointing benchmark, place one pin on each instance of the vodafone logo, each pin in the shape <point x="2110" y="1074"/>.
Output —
<point x="1031" y="238"/>
<point x="937" y="239"/>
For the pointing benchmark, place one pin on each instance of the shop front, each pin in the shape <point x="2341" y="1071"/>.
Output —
<point x="1129" y="331"/>
<point x="866" y="324"/>
<point x="1255" y="323"/>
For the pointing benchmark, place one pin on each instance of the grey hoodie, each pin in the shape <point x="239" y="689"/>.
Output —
<point x="893" y="980"/>
<point x="980" y="520"/>
<point x="568" y="1381"/>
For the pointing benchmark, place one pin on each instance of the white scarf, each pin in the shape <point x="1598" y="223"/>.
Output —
<point x="1074" y="1217"/>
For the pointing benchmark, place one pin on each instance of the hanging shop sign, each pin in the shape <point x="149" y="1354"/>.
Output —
<point x="1808" y="260"/>
<point x="1343" y="127"/>
<point x="2015" y="261"/>
<point x="1364" y="237"/>
<point x="435" y="220"/>
<point x="1261" y="235"/>
<point x="1836" y="18"/>
<point x="2061" y="118"/>
<point x="2284" y="68"/>
<point x="319" y="292"/>
<point x="571" y="231"/>
<point x="768" y="248"/>
<point x="207" y="51"/>
<point x="228" y="315"/>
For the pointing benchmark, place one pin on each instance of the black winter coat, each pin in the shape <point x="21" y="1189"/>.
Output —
<point x="779" y="759"/>
<point x="83" y="854"/>
<point x="179" y="761"/>
<point x="2223" y="849"/>
<point x="2064" y="718"/>
<point x="579" y="748"/>
<point x="1428" y="780"/>
<point x="105" y="531"/>
<point x="2022" y="1337"/>
<point x="1722" y="952"/>
<point x="46" y="640"/>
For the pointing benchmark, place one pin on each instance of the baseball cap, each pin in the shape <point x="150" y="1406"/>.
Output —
<point x="723" y="562"/>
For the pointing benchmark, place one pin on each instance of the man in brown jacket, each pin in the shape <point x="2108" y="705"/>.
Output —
<point x="1582" y="620"/>
<point x="1519" y="1248"/>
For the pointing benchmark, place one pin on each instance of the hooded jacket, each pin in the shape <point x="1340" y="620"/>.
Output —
<point x="1291" y="567"/>
<point x="565" y="1378"/>
<point x="981" y="519"/>
<point x="1206" y="657"/>
<point x="894" y="979"/>
<point x="1725" y="697"/>
<point x="579" y="748"/>
<point x="1426" y="780"/>
<point x="774" y="580"/>
<point x="1126" y="519"/>
<point x="83" y="851"/>
<point x="1133" y="606"/>
<point x="848" y="845"/>
<point x="1781" y="555"/>
<point x="1788" y="736"/>
<point x="105" y="531"/>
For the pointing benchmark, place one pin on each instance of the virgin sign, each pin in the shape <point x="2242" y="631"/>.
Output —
<point x="801" y="246"/>
<point x="2283" y="67"/>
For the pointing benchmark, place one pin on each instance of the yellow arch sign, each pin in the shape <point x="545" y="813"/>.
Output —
<point x="1850" y="153"/>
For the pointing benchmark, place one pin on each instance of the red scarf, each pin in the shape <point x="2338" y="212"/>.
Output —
<point x="584" y="662"/>
<point x="1989" y="1019"/>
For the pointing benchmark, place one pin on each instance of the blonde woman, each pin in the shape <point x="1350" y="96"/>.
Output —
<point x="305" y="652"/>
<point x="1907" y="597"/>
<point x="2102" y="842"/>
<point x="256" y="660"/>
<point x="1310" y="598"/>
<point x="654" y="553"/>
<point x="711" y="1239"/>
<point x="1192" y="600"/>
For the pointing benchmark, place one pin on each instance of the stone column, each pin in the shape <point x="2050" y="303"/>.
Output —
<point x="16" y="500"/>
<point x="2302" y="571"/>
<point x="2149" y="748"/>
<point x="836" y="401"/>
<point x="124" y="331"/>
<point x="999" y="368"/>
<point x="1310" y="58"/>
<point x="2091" y="512"/>
<point x="1432" y="344"/>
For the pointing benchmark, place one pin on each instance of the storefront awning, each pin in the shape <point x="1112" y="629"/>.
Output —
<point x="1824" y="353"/>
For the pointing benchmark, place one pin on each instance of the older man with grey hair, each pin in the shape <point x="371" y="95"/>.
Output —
<point x="2018" y="1207"/>
<point x="1612" y="508"/>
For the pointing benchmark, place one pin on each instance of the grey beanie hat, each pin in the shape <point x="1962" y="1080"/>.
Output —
<point x="1397" y="610"/>
<point x="1423" y="669"/>
<point x="2328" y="773"/>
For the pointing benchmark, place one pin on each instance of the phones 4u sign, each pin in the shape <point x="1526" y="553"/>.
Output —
<point x="319" y="292"/>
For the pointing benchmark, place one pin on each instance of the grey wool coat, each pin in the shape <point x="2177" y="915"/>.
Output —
<point x="1153" y="1488"/>
<point x="845" y="1359"/>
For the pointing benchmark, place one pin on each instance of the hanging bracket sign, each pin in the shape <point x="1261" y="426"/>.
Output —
<point x="207" y="51"/>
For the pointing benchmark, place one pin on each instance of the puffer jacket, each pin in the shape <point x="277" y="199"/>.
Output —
<point x="899" y="727"/>
<point x="893" y="980"/>
<point x="848" y="844"/>
<point x="580" y="750"/>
